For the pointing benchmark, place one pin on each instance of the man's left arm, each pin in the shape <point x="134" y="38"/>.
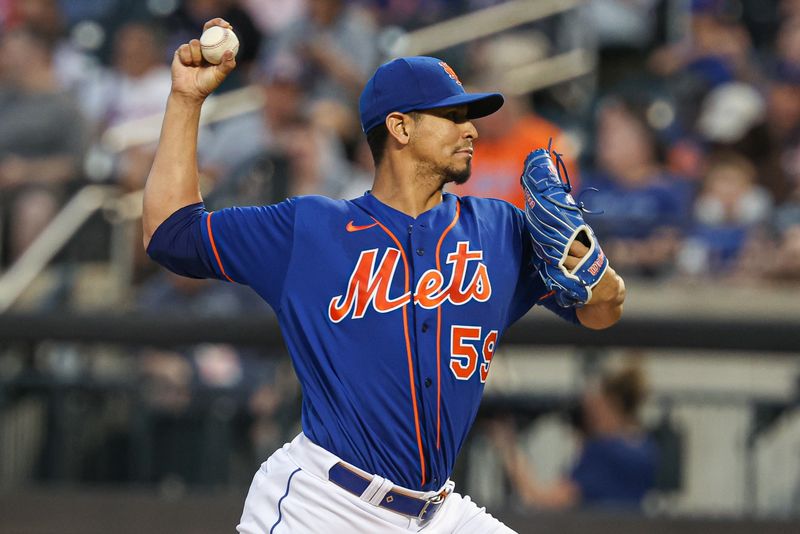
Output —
<point x="605" y="307"/>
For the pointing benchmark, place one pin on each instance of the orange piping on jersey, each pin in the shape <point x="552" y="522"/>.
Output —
<point x="547" y="295"/>
<point x="439" y="331"/>
<point x="214" y="247"/>
<point x="408" y="353"/>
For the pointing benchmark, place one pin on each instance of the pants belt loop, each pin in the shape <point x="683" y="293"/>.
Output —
<point x="382" y="487"/>
<point x="377" y="490"/>
<point x="373" y="487"/>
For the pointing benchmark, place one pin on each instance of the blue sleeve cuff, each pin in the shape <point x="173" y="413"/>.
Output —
<point x="568" y="314"/>
<point x="177" y="244"/>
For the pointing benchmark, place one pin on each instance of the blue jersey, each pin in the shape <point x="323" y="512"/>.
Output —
<point x="391" y="321"/>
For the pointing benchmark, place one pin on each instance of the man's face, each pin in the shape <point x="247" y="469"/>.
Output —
<point x="442" y="143"/>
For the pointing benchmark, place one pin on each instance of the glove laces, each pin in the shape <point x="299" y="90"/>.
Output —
<point x="567" y="185"/>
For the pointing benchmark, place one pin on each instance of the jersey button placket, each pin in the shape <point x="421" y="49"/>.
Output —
<point x="423" y="240"/>
<point x="416" y="238"/>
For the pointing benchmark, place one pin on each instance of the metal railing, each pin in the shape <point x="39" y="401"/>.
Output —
<point x="516" y="80"/>
<point x="72" y="216"/>
<point x="120" y="208"/>
<point x="480" y="23"/>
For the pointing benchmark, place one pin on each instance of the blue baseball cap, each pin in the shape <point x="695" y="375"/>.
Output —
<point x="416" y="84"/>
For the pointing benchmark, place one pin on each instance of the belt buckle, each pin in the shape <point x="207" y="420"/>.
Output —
<point x="436" y="499"/>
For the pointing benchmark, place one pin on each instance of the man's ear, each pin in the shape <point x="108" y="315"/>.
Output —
<point x="399" y="126"/>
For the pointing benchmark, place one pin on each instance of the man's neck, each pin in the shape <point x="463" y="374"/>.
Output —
<point x="406" y="189"/>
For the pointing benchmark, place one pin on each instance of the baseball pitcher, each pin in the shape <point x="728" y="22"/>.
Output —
<point x="391" y="304"/>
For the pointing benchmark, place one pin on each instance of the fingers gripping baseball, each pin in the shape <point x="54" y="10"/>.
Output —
<point x="194" y="49"/>
<point x="192" y="76"/>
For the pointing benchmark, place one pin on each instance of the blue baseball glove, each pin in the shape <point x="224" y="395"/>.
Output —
<point x="555" y="221"/>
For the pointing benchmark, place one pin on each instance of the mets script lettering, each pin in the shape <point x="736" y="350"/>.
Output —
<point x="369" y="284"/>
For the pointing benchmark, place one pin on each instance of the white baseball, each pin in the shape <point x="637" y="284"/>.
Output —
<point x="215" y="41"/>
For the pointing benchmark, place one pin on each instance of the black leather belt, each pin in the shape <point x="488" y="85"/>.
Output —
<point x="422" y="509"/>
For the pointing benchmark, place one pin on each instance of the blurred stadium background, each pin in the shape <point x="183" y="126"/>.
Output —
<point x="132" y="400"/>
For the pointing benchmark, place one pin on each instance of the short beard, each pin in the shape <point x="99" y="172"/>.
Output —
<point x="426" y="173"/>
<point x="457" y="177"/>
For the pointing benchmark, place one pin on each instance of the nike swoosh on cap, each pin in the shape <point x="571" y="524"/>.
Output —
<point x="353" y="228"/>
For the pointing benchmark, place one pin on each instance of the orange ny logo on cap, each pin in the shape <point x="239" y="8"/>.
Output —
<point x="450" y="72"/>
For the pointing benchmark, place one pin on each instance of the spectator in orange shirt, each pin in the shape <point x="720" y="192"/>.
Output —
<point x="505" y="139"/>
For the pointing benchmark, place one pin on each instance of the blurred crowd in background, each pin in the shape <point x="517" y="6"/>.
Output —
<point x="688" y="128"/>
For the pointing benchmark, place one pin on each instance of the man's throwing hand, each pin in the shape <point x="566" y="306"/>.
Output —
<point x="192" y="76"/>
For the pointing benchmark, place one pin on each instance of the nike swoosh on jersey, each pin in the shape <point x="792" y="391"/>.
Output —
<point x="353" y="228"/>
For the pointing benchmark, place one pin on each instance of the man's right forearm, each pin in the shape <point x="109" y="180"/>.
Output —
<point x="173" y="181"/>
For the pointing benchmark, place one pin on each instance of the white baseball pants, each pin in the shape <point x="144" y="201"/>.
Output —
<point x="291" y="493"/>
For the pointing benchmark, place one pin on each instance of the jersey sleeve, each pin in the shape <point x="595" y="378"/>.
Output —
<point x="177" y="244"/>
<point x="530" y="289"/>
<point x="250" y="245"/>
